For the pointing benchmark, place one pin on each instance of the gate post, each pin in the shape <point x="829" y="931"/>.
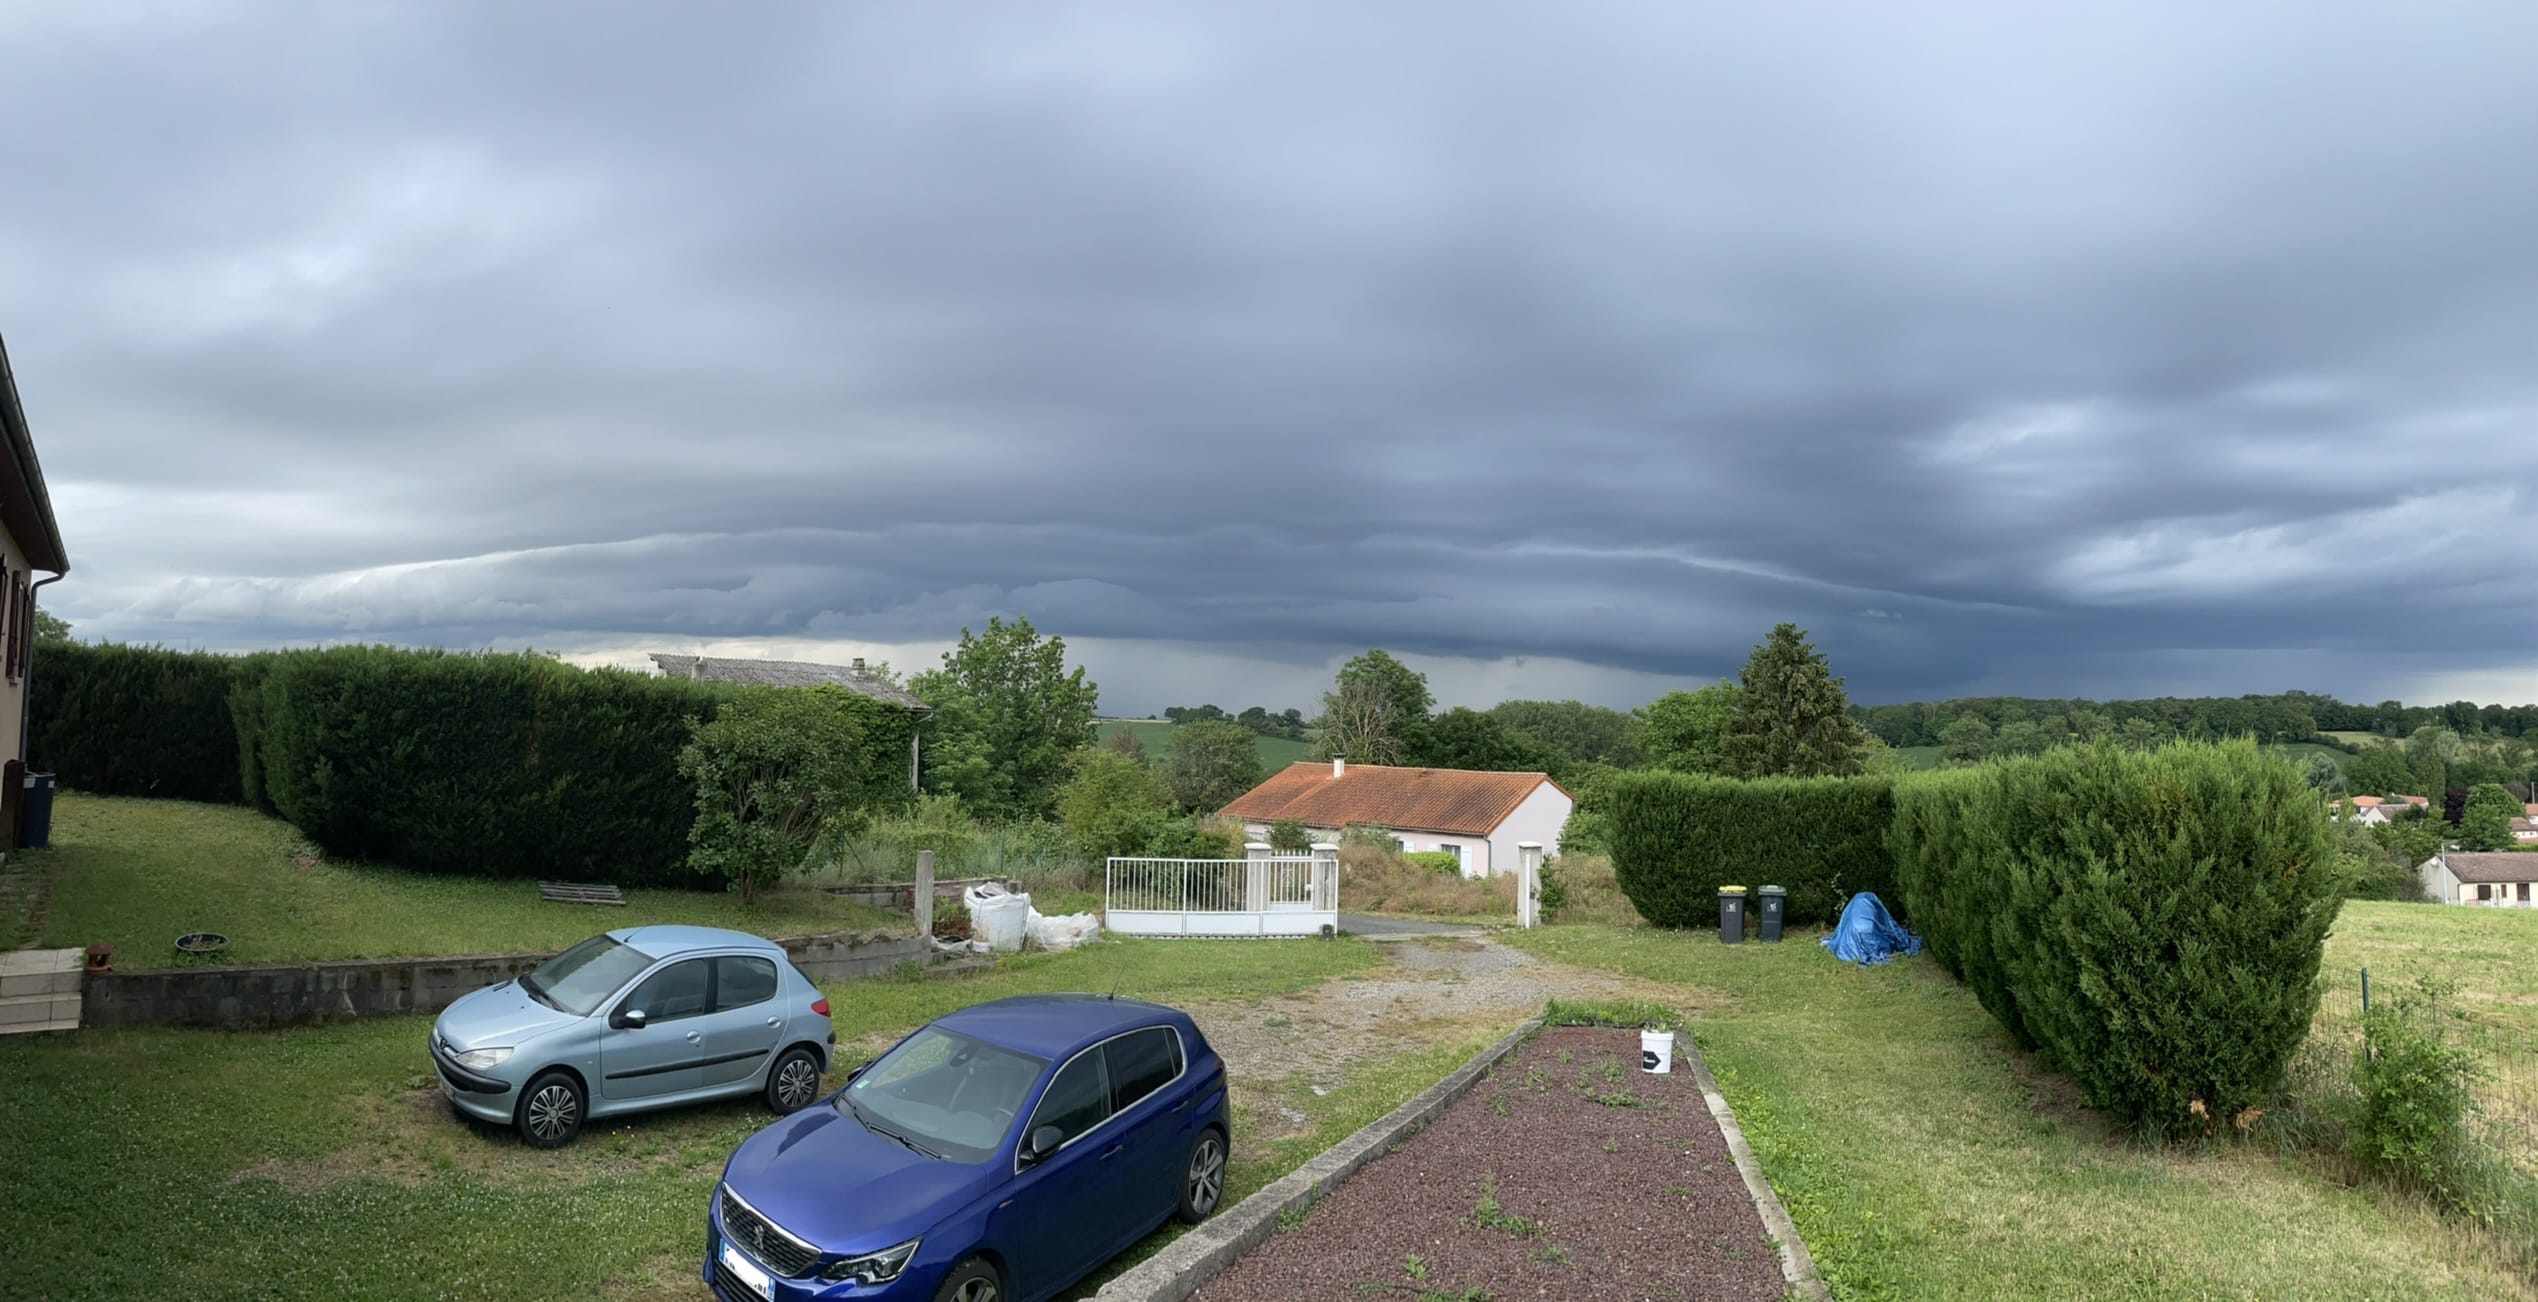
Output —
<point x="1325" y="877"/>
<point x="1256" y="877"/>
<point x="925" y="895"/>
<point x="1529" y="882"/>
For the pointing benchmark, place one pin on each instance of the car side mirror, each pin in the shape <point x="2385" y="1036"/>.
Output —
<point x="630" y="1019"/>
<point x="860" y="1069"/>
<point x="1044" y="1141"/>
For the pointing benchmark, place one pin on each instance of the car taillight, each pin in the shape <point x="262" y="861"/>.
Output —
<point x="820" y="1006"/>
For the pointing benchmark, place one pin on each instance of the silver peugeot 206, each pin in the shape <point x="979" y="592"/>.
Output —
<point x="646" y="1017"/>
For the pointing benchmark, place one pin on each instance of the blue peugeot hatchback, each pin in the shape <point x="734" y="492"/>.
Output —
<point x="997" y="1155"/>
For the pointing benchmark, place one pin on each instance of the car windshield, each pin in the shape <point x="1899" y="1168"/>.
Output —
<point x="579" y="978"/>
<point x="944" y="1093"/>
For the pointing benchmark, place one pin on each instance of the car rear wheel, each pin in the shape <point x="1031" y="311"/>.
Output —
<point x="551" y="1111"/>
<point x="974" y="1280"/>
<point x="1203" y="1179"/>
<point x="793" y="1081"/>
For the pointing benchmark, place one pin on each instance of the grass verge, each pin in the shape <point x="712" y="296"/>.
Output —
<point x="1923" y="1157"/>
<point x="139" y="873"/>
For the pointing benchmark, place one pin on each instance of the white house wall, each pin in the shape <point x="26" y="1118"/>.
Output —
<point x="1538" y="817"/>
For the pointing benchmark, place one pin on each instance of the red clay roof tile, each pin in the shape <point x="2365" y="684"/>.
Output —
<point x="1454" y="801"/>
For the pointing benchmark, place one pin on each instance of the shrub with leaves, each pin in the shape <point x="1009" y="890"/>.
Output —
<point x="1678" y="838"/>
<point x="777" y="771"/>
<point x="1113" y="805"/>
<point x="2150" y="922"/>
<point x="134" y="721"/>
<point x="1290" y="836"/>
<point x="1444" y="862"/>
<point x="2414" y="1085"/>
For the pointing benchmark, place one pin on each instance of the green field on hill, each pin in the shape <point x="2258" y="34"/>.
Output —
<point x="1155" y="735"/>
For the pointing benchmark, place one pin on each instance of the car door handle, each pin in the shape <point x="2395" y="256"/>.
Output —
<point x="1112" y="1151"/>
<point x="1182" y="1106"/>
<point x="695" y="1037"/>
<point x="775" y="1021"/>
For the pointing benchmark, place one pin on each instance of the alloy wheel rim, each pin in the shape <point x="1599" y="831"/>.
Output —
<point x="1207" y="1175"/>
<point x="795" y="1083"/>
<point x="551" y="1111"/>
<point x="976" y="1290"/>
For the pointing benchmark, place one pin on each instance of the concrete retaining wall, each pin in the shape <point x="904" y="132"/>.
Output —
<point x="297" y="994"/>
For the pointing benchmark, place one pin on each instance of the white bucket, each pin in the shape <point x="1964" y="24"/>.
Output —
<point x="1656" y="1051"/>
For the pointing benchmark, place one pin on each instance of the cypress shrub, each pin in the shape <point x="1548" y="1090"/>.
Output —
<point x="2151" y="923"/>
<point x="489" y="764"/>
<point x="1677" y="838"/>
<point x="123" y="720"/>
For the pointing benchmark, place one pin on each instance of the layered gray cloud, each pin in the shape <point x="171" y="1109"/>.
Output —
<point x="2005" y="349"/>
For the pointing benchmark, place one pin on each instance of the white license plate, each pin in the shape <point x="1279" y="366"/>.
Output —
<point x="748" y="1271"/>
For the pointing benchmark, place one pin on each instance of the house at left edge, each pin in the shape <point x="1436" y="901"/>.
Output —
<point x="30" y="545"/>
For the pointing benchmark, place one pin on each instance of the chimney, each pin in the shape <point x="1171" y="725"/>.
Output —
<point x="1339" y="766"/>
<point x="859" y="664"/>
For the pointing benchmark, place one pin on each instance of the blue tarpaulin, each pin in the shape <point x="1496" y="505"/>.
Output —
<point x="1868" y="934"/>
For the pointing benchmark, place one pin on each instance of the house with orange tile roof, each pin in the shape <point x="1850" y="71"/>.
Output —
<point x="1480" y="817"/>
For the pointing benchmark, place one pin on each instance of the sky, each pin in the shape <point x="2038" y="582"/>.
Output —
<point x="1564" y="350"/>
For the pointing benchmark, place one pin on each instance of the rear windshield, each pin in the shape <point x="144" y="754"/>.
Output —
<point x="581" y="978"/>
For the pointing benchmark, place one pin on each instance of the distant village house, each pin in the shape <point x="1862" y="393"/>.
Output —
<point x="800" y="673"/>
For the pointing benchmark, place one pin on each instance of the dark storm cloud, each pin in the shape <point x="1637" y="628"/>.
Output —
<point x="2004" y="349"/>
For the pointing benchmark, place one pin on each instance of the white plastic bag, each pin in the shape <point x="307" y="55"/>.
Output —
<point x="996" y="916"/>
<point x="1065" y="931"/>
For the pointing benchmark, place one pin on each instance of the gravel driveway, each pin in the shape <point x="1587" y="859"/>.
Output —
<point x="1567" y="1173"/>
<point x="1434" y="990"/>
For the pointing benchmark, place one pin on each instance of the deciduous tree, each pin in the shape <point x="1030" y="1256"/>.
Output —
<point x="1377" y="713"/>
<point x="1687" y="731"/>
<point x="1008" y="714"/>
<point x="1209" y="764"/>
<point x="2486" y="821"/>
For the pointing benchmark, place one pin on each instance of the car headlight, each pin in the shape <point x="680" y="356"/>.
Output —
<point x="875" y="1267"/>
<point x="480" y="1059"/>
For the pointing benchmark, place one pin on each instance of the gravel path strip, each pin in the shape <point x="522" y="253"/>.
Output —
<point x="1567" y="1173"/>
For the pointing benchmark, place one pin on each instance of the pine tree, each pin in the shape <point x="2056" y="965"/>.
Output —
<point x="1792" y="716"/>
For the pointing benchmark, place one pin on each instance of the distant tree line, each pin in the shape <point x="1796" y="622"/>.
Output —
<point x="2283" y="717"/>
<point x="1257" y="719"/>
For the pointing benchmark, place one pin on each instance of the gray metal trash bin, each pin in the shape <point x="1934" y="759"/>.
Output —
<point x="35" y="812"/>
<point x="1731" y="914"/>
<point x="1769" y="903"/>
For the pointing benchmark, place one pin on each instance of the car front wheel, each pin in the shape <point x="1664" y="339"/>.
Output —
<point x="974" y="1280"/>
<point x="1203" y="1179"/>
<point x="793" y="1081"/>
<point x="551" y="1110"/>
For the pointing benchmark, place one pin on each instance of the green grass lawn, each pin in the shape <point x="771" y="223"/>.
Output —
<point x="139" y="873"/>
<point x="1923" y="1158"/>
<point x="2359" y="738"/>
<point x="322" y="1163"/>
<point x="1155" y="735"/>
<point x="2490" y="954"/>
<point x="2298" y="752"/>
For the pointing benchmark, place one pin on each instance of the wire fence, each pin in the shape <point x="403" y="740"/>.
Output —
<point x="2502" y="1039"/>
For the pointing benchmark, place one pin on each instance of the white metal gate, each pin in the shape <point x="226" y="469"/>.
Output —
<point x="1263" y="895"/>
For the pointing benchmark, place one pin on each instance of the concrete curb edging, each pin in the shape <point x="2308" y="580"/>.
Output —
<point x="1797" y="1266"/>
<point x="1196" y="1257"/>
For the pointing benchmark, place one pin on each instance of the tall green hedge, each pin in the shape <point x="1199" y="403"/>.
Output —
<point x="496" y="765"/>
<point x="2150" y="922"/>
<point x="1676" y="839"/>
<point x="134" y="721"/>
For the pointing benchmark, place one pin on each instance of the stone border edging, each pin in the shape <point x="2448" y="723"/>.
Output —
<point x="1797" y="1265"/>
<point x="1196" y="1257"/>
